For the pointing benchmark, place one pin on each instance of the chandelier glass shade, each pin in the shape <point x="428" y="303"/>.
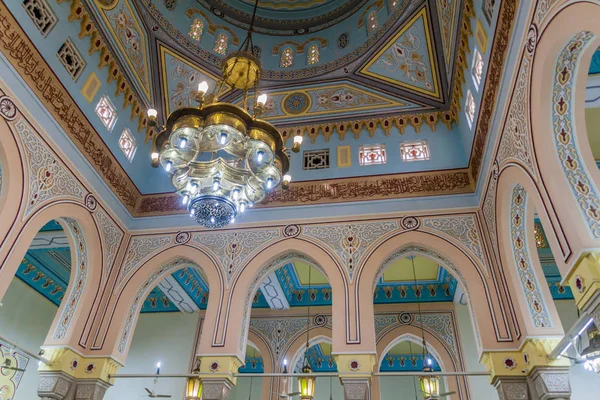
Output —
<point x="430" y="385"/>
<point x="194" y="388"/>
<point x="306" y="384"/>
<point x="591" y="354"/>
<point x="223" y="159"/>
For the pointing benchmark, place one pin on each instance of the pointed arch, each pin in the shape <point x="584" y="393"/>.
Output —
<point x="564" y="160"/>
<point x="128" y="301"/>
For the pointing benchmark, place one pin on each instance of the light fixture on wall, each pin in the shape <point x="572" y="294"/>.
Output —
<point x="307" y="383"/>
<point x="222" y="158"/>
<point x="591" y="354"/>
<point x="194" y="388"/>
<point x="430" y="384"/>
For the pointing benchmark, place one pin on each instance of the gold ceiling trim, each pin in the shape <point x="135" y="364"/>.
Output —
<point x="34" y="70"/>
<point x="341" y="190"/>
<point x="107" y="59"/>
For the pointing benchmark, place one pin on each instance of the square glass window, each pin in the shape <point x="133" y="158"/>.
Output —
<point x="372" y="154"/>
<point x="414" y="151"/>
<point x="127" y="144"/>
<point x="106" y="112"/>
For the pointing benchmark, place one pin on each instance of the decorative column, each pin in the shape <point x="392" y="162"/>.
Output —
<point x="71" y="373"/>
<point x="356" y="371"/>
<point x="217" y="374"/>
<point x="516" y="373"/>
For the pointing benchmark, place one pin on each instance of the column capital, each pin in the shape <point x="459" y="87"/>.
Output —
<point x="54" y="385"/>
<point x="216" y="388"/>
<point x="512" y="388"/>
<point x="219" y="368"/>
<point x="584" y="280"/>
<point x="551" y="383"/>
<point x="356" y="388"/>
<point x="75" y="365"/>
<point x="91" y="389"/>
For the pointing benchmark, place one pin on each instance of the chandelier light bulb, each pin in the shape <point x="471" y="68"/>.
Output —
<point x="168" y="166"/>
<point x="194" y="188"/>
<point x="223" y="138"/>
<point x="154" y="156"/>
<point x="152" y="113"/>
<point x="192" y="212"/>
<point x="287" y="178"/>
<point x="185" y="199"/>
<point x="232" y="220"/>
<point x="235" y="193"/>
<point x="269" y="183"/>
<point x="216" y="183"/>
<point x="203" y="87"/>
<point x="182" y="143"/>
<point x="262" y="99"/>
<point x="260" y="155"/>
<point x="242" y="206"/>
<point x="298" y="139"/>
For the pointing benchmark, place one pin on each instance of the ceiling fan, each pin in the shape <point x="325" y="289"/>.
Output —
<point x="284" y="395"/>
<point x="8" y="365"/>
<point x="152" y="393"/>
<point x="441" y="395"/>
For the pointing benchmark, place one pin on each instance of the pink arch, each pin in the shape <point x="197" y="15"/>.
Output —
<point x="553" y="40"/>
<point x="448" y="360"/>
<point x="93" y="268"/>
<point x="127" y="305"/>
<point x="12" y="181"/>
<point x="233" y="326"/>
<point x="489" y="317"/>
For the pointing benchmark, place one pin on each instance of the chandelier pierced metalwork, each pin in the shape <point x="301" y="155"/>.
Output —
<point x="222" y="158"/>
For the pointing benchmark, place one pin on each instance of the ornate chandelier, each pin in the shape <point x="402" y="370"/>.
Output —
<point x="223" y="159"/>
<point x="591" y="354"/>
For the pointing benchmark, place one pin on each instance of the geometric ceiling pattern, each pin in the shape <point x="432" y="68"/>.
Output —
<point x="380" y="66"/>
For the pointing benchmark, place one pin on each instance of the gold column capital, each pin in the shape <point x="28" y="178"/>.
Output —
<point x="355" y="365"/>
<point x="219" y="367"/>
<point x="534" y="353"/>
<point x="78" y="366"/>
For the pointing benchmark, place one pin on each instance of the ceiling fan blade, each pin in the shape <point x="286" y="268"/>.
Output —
<point x="148" y="390"/>
<point x="294" y="394"/>
<point x="445" y="394"/>
<point x="164" y="396"/>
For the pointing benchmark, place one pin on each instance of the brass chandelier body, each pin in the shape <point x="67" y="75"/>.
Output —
<point x="222" y="158"/>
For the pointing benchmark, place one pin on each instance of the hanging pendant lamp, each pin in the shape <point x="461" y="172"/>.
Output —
<point x="430" y="384"/>
<point x="307" y="383"/>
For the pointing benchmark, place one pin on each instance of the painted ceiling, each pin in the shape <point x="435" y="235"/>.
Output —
<point x="387" y="72"/>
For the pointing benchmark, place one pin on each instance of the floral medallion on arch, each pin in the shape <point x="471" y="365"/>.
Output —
<point x="572" y="163"/>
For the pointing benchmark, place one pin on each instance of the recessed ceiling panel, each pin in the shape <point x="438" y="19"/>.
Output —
<point x="408" y="59"/>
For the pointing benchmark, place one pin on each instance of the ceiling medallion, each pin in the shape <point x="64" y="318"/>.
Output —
<point x="223" y="159"/>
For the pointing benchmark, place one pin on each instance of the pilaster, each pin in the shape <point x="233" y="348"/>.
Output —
<point x="516" y="373"/>
<point x="54" y="385"/>
<point x="356" y="371"/>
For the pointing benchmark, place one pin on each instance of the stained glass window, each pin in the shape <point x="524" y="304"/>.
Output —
<point x="540" y="239"/>
<point x="414" y="151"/>
<point x="196" y="29"/>
<point x="392" y="5"/>
<point x="372" y="154"/>
<point x="372" y="22"/>
<point x="477" y="69"/>
<point x="287" y="58"/>
<point x="127" y="144"/>
<point x="313" y="54"/>
<point x="106" y="112"/>
<point x="221" y="44"/>
<point x="470" y="108"/>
